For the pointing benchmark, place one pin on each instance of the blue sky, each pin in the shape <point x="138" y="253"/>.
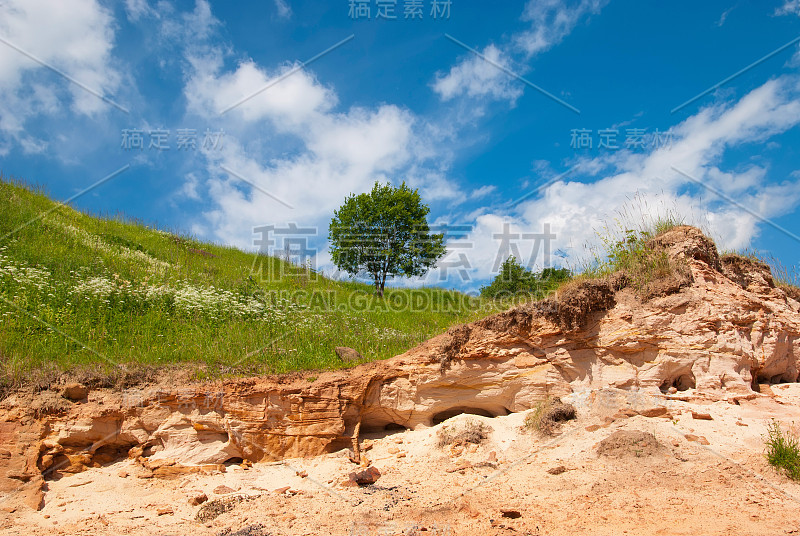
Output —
<point x="479" y="109"/>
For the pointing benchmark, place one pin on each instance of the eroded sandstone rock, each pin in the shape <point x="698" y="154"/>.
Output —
<point x="601" y="344"/>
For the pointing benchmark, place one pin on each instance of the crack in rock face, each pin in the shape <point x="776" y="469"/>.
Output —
<point x="715" y="338"/>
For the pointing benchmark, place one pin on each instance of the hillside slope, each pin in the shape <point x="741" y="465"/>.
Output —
<point x="110" y="301"/>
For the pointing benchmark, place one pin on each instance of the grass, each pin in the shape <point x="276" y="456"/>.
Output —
<point x="785" y="277"/>
<point x="78" y="293"/>
<point x="626" y="248"/>
<point x="547" y="416"/>
<point x="462" y="433"/>
<point x="783" y="450"/>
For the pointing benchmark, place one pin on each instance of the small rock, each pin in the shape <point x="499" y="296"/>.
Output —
<point x="401" y="454"/>
<point x="162" y="462"/>
<point x="657" y="411"/>
<point x="672" y="390"/>
<point x="281" y="491"/>
<point x="493" y="456"/>
<point x="698" y="439"/>
<point x="301" y="474"/>
<point x="593" y="427"/>
<point x="557" y="470"/>
<point x="348" y="355"/>
<point x="701" y="416"/>
<point x="393" y="450"/>
<point x="123" y="474"/>
<point x="198" y="499"/>
<point x="509" y="513"/>
<point x="165" y="510"/>
<point x="75" y="392"/>
<point x="366" y="477"/>
<point x="223" y="490"/>
<point x="740" y="423"/>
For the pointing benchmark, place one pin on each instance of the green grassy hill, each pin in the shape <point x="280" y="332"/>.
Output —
<point x="82" y="293"/>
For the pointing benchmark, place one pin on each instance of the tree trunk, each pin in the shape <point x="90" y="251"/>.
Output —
<point x="383" y="284"/>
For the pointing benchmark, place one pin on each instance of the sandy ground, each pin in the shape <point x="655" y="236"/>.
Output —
<point x="500" y="487"/>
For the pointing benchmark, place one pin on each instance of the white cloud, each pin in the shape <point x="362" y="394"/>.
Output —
<point x="284" y="10"/>
<point x="290" y="102"/>
<point x="343" y="154"/>
<point x="483" y="191"/>
<point x="790" y="7"/>
<point x="74" y="36"/>
<point x="476" y="77"/>
<point x="725" y="14"/>
<point x="138" y="9"/>
<point x="636" y="188"/>
<point x="189" y="188"/>
<point x="290" y="140"/>
<point x="550" y="21"/>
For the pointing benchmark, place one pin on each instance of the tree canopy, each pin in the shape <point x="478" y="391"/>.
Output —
<point x="384" y="233"/>
<point x="514" y="279"/>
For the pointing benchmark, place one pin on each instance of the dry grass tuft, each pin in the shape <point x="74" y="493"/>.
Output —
<point x="548" y="415"/>
<point x="462" y="433"/>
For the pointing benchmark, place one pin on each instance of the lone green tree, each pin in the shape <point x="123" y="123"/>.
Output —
<point x="384" y="233"/>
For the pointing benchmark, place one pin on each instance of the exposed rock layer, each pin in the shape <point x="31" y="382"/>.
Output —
<point x="717" y="335"/>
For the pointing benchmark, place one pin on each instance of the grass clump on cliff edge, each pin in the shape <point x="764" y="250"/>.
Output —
<point x="783" y="450"/>
<point x="634" y="255"/>
<point x="628" y="247"/>
<point x="786" y="278"/>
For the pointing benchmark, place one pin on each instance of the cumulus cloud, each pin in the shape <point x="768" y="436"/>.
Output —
<point x="477" y="76"/>
<point x="343" y="154"/>
<point x="331" y="152"/>
<point x="75" y="37"/>
<point x="288" y="97"/>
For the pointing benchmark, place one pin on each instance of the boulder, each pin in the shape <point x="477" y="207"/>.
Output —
<point x="348" y="355"/>
<point x="75" y="392"/>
